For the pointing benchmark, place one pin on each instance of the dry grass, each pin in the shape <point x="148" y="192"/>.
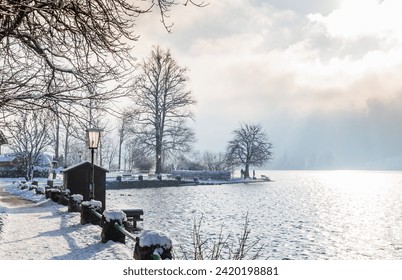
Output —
<point x="223" y="247"/>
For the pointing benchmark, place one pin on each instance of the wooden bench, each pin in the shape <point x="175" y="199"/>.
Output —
<point x="133" y="216"/>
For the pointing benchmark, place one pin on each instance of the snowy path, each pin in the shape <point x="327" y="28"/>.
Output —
<point x="45" y="230"/>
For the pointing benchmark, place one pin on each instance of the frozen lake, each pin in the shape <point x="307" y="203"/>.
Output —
<point x="301" y="215"/>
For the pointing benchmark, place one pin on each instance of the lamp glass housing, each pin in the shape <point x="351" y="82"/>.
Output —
<point x="93" y="137"/>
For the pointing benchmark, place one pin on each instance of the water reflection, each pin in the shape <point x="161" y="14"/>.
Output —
<point x="360" y="214"/>
<point x="302" y="215"/>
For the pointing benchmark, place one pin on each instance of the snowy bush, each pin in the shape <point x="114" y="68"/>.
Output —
<point x="14" y="167"/>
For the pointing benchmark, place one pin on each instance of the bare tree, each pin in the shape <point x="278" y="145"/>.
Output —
<point x="30" y="138"/>
<point x="249" y="146"/>
<point x="162" y="107"/>
<point x="109" y="150"/>
<point x="123" y="130"/>
<point x="59" y="50"/>
<point x="214" y="162"/>
<point x="64" y="126"/>
<point x="136" y="156"/>
<point x="68" y="123"/>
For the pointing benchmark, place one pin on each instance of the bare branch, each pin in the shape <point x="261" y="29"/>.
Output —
<point x="66" y="47"/>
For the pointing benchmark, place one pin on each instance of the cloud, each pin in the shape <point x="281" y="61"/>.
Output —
<point x="320" y="77"/>
<point x="304" y="7"/>
<point x="360" y="18"/>
<point x="270" y="56"/>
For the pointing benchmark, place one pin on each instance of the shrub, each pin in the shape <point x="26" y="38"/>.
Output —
<point x="222" y="247"/>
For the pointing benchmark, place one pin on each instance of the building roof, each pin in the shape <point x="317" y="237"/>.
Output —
<point x="83" y="164"/>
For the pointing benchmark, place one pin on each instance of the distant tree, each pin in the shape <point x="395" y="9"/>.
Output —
<point x="125" y="122"/>
<point x="137" y="158"/>
<point x="193" y="161"/>
<point x="30" y="138"/>
<point x="196" y="161"/>
<point x="65" y="128"/>
<point x="78" y="152"/>
<point x="214" y="162"/>
<point x="249" y="146"/>
<point x="162" y="106"/>
<point x="109" y="150"/>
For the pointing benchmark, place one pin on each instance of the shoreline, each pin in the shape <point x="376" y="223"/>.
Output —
<point x="138" y="184"/>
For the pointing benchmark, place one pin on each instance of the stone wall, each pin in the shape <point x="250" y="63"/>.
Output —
<point x="202" y="175"/>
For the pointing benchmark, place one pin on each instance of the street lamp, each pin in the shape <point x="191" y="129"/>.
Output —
<point x="93" y="141"/>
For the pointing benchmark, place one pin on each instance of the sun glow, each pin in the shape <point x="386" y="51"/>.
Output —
<point x="359" y="18"/>
<point x="352" y="181"/>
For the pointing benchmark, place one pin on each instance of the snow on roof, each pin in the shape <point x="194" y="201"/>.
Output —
<point x="151" y="237"/>
<point x="83" y="163"/>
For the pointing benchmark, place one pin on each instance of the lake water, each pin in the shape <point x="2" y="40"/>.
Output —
<point x="315" y="215"/>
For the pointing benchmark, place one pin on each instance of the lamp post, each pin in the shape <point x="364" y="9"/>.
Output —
<point x="93" y="141"/>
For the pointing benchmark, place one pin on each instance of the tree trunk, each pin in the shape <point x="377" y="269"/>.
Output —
<point x="247" y="172"/>
<point x="66" y="146"/>
<point x="99" y="153"/>
<point x="158" y="166"/>
<point x="57" y="144"/>
<point x="120" y="146"/>
<point x="158" y="150"/>
<point x="29" y="172"/>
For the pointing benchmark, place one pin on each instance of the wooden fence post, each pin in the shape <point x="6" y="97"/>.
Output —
<point x="87" y="216"/>
<point x="74" y="203"/>
<point x="152" y="245"/>
<point x="109" y="231"/>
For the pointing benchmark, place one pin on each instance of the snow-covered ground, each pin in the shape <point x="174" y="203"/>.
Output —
<point x="42" y="230"/>
<point x="36" y="228"/>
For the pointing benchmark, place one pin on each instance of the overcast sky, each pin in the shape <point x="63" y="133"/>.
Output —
<point x="324" y="78"/>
